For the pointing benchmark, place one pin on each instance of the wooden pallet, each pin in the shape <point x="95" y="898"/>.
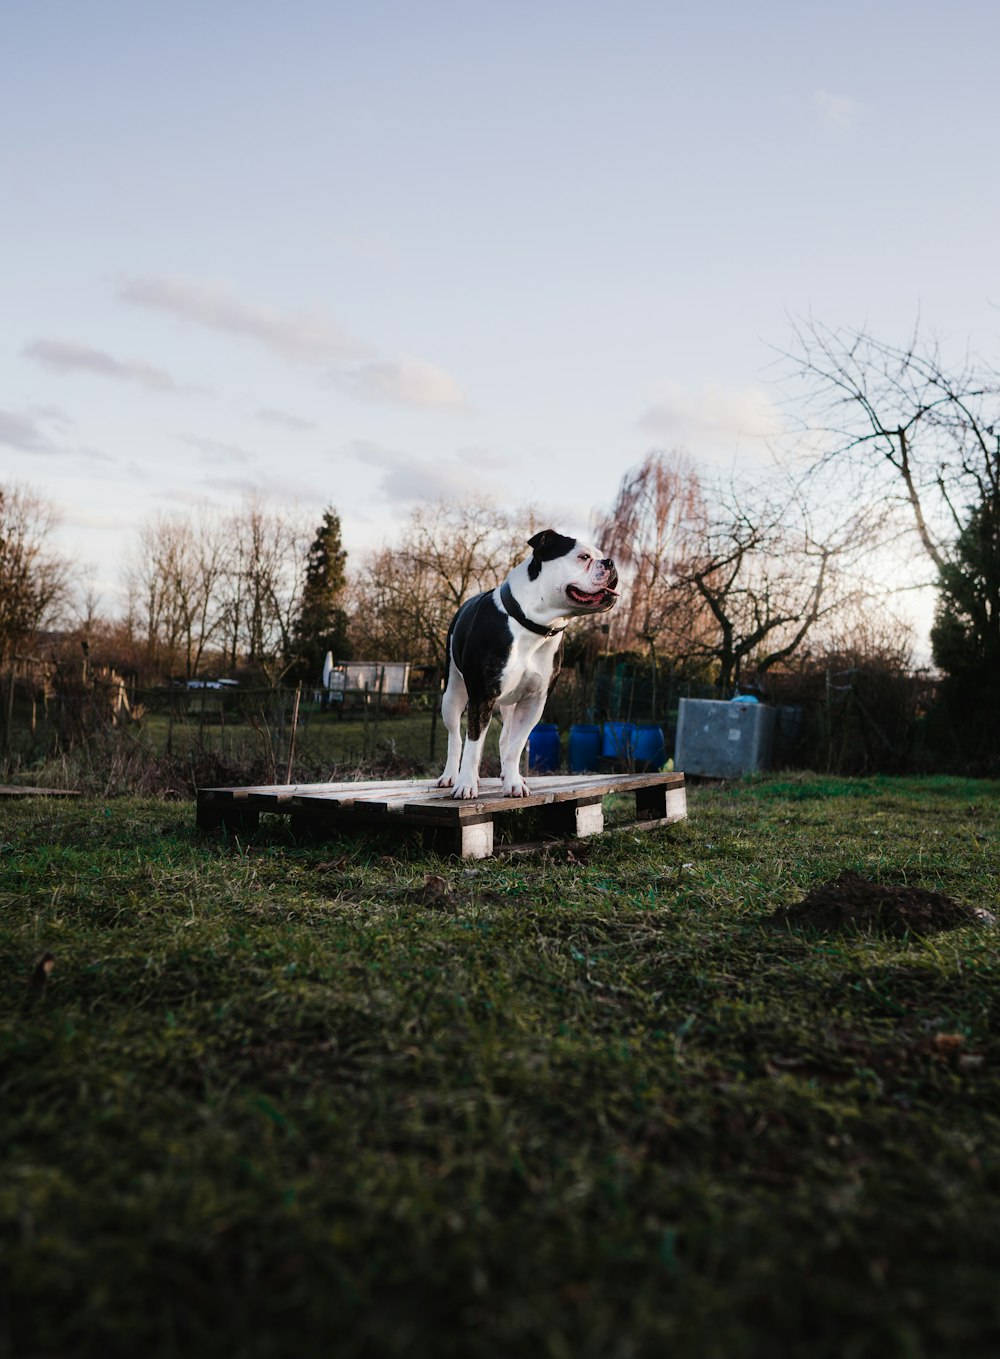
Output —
<point x="572" y="805"/>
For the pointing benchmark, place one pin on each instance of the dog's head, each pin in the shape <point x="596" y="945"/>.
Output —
<point x="574" y="576"/>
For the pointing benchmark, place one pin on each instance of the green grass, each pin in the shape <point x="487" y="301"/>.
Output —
<point x="279" y="1099"/>
<point x="321" y="738"/>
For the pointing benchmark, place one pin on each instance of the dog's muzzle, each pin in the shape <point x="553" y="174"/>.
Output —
<point x="603" y="596"/>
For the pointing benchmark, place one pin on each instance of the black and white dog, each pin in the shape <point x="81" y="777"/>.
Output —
<point x="502" y="651"/>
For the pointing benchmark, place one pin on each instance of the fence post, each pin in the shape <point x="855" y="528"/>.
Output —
<point x="435" y="705"/>
<point x="8" y="725"/>
<point x="291" y="738"/>
<point x="364" y="716"/>
<point x="378" y="708"/>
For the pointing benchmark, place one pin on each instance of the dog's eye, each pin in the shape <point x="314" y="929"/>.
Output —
<point x="585" y="556"/>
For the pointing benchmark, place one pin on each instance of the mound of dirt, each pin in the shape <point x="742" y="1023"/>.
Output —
<point x="851" y="902"/>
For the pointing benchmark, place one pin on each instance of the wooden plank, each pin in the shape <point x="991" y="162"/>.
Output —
<point x="652" y="789"/>
<point x="333" y="790"/>
<point x="265" y="797"/>
<point x="26" y="790"/>
<point x="543" y="786"/>
<point x="369" y="800"/>
<point x="565" y="790"/>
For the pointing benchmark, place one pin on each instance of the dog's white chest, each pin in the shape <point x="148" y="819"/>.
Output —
<point x="527" y="672"/>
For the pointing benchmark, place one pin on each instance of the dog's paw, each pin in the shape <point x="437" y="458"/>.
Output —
<point x="466" y="789"/>
<point x="516" y="787"/>
<point x="445" y="781"/>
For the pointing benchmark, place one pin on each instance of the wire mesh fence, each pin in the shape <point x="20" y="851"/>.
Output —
<point x="276" y="728"/>
<point x="179" y="735"/>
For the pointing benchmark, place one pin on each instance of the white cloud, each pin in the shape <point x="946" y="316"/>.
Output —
<point x="406" y="479"/>
<point x="711" y="418"/>
<point x="484" y="456"/>
<point x="216" y="451"/>
<point x="305" y="338"/>
<point x="94" y="520"/>
<point x="92" y="456"/>
<point x="401" y="382"/>
<point x="65" y="356"/>
<point x="285" y="421"/>
<point x="275" y="490"/>
<point x="837" y="110"/>
<point x="354" y="366"/>
<point x="25" y="433"/>
<point x="223" y="492"/>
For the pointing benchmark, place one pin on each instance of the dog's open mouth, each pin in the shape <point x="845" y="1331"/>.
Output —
<point x="592" y="599"/>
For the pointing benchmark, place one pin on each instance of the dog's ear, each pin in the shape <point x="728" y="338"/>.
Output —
<point x="546" y="546"/>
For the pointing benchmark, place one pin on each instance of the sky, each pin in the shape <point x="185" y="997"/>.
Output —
<point x="365" y="255"/>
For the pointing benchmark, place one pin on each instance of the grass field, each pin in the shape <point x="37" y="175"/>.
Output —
<point x="320" y="736"/>
<point x="280" y="1099"/>
<point x="323" y="741"/>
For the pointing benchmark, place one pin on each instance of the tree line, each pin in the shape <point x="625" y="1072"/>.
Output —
<point x="895" y="462"/>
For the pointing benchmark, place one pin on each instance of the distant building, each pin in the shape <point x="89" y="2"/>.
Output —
<point x="363" y="680"/>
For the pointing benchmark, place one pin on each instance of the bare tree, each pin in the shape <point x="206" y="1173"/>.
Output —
<point x="173" y="576"/>
<point x="228" y="589"/>
<point x="261" y="586"/>
<point x="766" y="578"/>
<point x="392" y="608"/>
<point x="404" y="597"/>
<point x="900" y="425"/>
<point x="922" y="433"/>
<point x="654" y="525"/>
<point x="723" y="577"/>
<point x="34" y="579"/>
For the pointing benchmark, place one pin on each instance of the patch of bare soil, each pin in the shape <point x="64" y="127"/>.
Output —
<point x="851" y="902"/>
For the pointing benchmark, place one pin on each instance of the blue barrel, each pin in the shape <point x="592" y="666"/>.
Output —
<point x="650" y="747"/>
<point x="543" y="748"/>
<point x="618" y="740"/>
<point x="584" y="747"/>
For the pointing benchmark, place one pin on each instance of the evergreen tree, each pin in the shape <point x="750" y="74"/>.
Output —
<point x="966" y="633"/>
<point x="321" y="625"/>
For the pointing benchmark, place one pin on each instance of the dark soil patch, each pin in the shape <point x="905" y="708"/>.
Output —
<point x="851" y="902"/>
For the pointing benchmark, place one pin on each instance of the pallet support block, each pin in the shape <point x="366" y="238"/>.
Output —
<point x="470" y="839"/>
<point x="307" y="826"/>
<point x="660" y="804"/>
<point x="218" y="814"/>
<point x="575" y="819"/>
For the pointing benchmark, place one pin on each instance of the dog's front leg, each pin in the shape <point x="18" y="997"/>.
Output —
<point x="456" y="696"/>
<point x="518" y="722"/>
<point x="467" y="782"/>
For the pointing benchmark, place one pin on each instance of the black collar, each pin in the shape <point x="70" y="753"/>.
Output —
<point x="518" y="614"/>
